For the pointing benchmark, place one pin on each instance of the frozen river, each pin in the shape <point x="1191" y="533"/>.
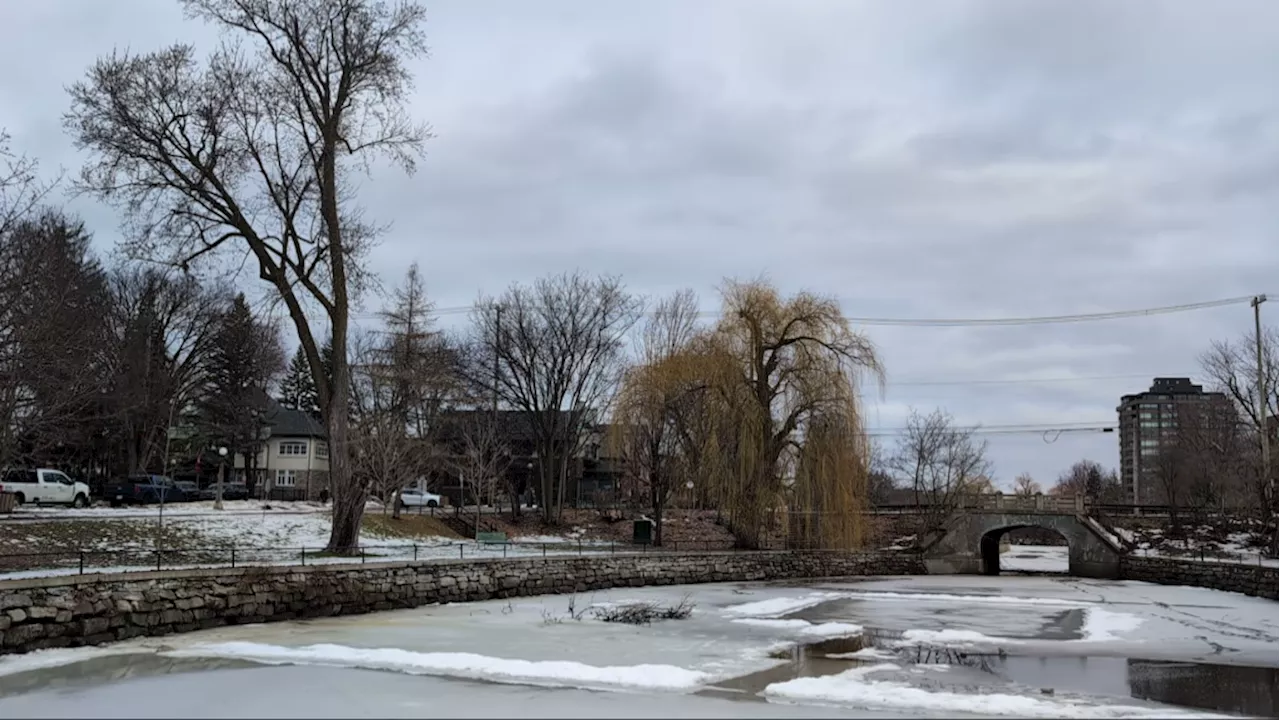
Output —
<point x="908" y="647"/>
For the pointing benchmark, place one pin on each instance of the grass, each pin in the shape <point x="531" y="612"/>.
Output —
<point x="407" y="527"/>
<point x="349" y="556"/>
<point x="59" y="543"/>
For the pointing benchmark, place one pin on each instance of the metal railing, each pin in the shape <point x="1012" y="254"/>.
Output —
<point x="85" y="561"/>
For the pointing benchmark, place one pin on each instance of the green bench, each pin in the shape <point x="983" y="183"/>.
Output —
<point x="491" y="538"/>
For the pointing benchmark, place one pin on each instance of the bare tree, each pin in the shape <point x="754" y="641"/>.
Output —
<point x="652" y="397"/>
<point x="252" y="152"/>
<point x="1025" y="486"/>
<point x="385" y="456"/>
<point x="21" y="190"/>
<point x="558" y="350"/>
<point x="163" y="325"/>
<point x="1088" y="478"/>
<point x="939" y="462"/>
<point x="1232" y="368"/>
<point x="482" y="460"/>
<point x="1208" y="460"/>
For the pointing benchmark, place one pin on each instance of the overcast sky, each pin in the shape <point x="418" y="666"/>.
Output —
<point x="918" y="160"/>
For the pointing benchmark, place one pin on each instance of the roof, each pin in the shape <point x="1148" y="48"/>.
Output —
<point x="287" y="422"/>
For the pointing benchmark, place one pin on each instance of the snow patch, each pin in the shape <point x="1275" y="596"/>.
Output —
<point x="867" y="653"/>
<point x="778" y="606"/>
<point x="563" y="673"/>
<point x="41" y="659"/>
<point x="804" y="627"/>
<point x="993" y="599"/>
<point x="1101" y="625"/>
<point x="962" y="638"/>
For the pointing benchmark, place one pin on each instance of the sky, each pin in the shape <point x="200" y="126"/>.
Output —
<point x="940" y="159"/>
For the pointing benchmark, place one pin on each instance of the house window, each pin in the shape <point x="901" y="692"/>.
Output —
<point x="293" y="447"/>
<point x="322" y="451"/>
<point x="286" y="478"/>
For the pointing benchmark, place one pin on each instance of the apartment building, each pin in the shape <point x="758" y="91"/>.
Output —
<point x="1148" y="424"/>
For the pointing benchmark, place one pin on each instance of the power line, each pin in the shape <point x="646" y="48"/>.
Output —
<point x="969" y="322"/>
<point x="1024" y="381"/>
<point x="1054" y="319"/>
<point x="1045" y="429"/>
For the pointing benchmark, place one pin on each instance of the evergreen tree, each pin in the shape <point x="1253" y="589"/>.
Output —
<point x="244" y="357"/>
<point x="298" y="388"/>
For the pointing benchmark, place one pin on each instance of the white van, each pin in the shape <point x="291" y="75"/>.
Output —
<point x="44" y="486"/>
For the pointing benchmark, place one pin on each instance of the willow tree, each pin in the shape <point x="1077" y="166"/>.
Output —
<point x="789" y="432"/>
<point x="253" y="152"/>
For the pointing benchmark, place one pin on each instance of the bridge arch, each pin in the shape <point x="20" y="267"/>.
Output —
<point x="970" y="542"/>
<point x="989" y="549"/>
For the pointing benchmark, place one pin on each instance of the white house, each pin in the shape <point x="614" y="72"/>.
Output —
<point x="293" y="461"/>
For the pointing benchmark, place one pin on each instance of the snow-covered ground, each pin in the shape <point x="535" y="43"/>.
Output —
<point x="261" y="538"/>
<point x="1004" y="643"/>
<point x="186" y="509"/>
<point x="1234" y="548"/>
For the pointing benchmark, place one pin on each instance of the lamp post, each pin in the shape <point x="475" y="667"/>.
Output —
<point x="222" y="467"/>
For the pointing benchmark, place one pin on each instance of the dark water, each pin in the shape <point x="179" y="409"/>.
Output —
<point x="1225" y="688"/>
<point x="802" y="661"/>
<point x="1233" y="689"/>
<point x="106" y="669"/>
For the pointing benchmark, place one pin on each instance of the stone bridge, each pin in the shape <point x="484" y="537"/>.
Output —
<point x="969" y="542"/>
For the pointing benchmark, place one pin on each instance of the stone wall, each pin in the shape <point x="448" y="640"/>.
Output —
<point x="1251" y="580"/>
<point x="95" y="609"/>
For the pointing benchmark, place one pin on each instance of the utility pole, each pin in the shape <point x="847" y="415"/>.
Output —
<point x="1264" y="420"/>
<point x="497" y="339"/>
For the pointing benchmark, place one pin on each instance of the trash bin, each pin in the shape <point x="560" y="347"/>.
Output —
<point x="642" y="532"/>
<point x="7" y="502"/>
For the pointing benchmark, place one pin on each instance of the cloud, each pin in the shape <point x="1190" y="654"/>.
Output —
<point x="961" y="159"/>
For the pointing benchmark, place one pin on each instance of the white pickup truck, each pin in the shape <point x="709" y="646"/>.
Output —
<point x="44" y="486"/>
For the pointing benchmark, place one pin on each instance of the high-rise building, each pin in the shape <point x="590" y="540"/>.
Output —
<point x="1148" y="424"/>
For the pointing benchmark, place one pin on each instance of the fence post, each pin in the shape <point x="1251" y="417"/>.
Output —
<point x="415" y="552"/>
<point x="361" y="554"/>
<point x="504" y="550"/>
<point x="233" y="556"/>
<point x="579" y="546"/>
<point x="158" y="557"/>
<point x="544" y="551"/>
<point x="461" y="552"/>
<point x="303" y="554"/>
<point x="81" y="562"/>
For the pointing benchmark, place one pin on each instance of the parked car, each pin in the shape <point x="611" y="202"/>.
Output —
<point x="143" y="490"/>
<point x="230" y="491"/>
<point x="42" y="485"/>
<point x="190" y="490"/>
<point x="410" y="497"/>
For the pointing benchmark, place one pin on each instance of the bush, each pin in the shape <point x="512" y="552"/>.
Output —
<point x="644" y="613"/>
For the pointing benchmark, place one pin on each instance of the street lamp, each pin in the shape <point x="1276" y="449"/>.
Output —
<point x="222" y="467"/>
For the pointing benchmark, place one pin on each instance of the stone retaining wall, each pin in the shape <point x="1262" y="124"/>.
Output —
<point x="1251" y="580"/>
<point x="94" y="609"/>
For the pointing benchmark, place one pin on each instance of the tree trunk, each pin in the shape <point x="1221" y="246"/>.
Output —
<point x="348" y="495"/>
<point x="657" y="519"/>
<point x="546" y="476"/>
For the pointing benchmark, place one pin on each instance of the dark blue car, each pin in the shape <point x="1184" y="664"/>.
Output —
<point x="144" y="490"/>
